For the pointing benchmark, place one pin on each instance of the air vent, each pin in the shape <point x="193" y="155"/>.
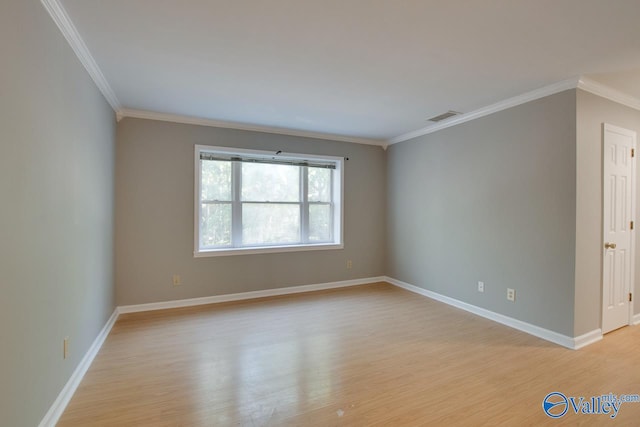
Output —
<point x="444" y="116"/>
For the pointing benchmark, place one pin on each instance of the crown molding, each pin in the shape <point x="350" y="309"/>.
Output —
<point x="490" y="109"/>
<point x="175" y="118"/>
<point x="609" y="93"/>
<point x="70" y="33"/>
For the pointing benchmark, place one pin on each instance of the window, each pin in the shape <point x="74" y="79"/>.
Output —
<point x="254" y="201"/>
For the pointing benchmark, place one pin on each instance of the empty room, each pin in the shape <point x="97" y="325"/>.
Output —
<point x="319" y="213"/>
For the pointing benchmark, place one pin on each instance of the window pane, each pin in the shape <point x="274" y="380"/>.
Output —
<point x="319" y="185"/>
<point x="264" y="223"/>
<point x="216" y="180"/>
<point x="270" y="183"/>
<point x="215" y="224"/>
<point x="320" y="223"/>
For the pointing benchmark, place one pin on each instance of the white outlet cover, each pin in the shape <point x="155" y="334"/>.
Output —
<point x="480" y="286"/>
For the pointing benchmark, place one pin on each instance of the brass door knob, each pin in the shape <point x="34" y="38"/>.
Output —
<point x="609" y="245"/>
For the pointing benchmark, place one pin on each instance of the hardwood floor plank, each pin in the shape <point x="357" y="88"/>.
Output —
<point x="368" y="355"/>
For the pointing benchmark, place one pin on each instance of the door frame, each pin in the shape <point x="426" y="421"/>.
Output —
<point x="609" y="127"/>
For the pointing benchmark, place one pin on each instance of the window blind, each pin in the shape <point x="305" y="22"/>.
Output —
<point x="312" y="163"/>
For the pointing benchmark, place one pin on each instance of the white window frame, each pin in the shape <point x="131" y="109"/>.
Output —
<point x="337" y="199"/>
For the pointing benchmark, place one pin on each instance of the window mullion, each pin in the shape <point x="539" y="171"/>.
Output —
<point x="236" y="207"/>
<point x="304" y="205"/>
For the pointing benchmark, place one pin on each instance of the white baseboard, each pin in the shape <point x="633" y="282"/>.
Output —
<point x="586" y="339"/>
<point x="246" y="295"/>
<point x="55" y="411"/>
<point x="636" y="319"/>
<point x="545" y="334"/>
<point x="59" y="405"/>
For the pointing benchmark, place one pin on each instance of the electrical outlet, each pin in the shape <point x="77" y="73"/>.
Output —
<point x="65" y="348"/>
<point x="511" y="294"/>
<point x="480" y="286"/>
<point x="349" y="264"/>
<point x="177" y="281"/>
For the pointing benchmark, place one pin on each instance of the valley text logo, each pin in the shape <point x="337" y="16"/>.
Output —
<point x="556" y="404"/>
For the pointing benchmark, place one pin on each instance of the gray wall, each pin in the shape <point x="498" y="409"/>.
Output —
<point x="493" y="200"/>
<point x="154" y="216"/>
<point x="57" y="140"/>
<point x="592" y="112"/>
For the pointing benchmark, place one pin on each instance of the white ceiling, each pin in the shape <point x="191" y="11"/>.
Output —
<point x="359" y="68"/>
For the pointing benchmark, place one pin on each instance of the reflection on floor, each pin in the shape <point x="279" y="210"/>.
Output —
<point x="366" y="355"/>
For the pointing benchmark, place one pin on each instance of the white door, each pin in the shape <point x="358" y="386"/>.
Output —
<point x="618" y="212"/>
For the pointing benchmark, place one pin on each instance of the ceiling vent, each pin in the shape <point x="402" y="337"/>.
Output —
<point x="444" y="116"/>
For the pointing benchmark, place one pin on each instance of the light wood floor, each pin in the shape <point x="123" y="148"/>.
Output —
<point x="367" y="355"/>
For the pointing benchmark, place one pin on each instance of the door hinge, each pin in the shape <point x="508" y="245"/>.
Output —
<point x="633" y="152"/>
<point x="631" y="225"/>
<point x="630" y="297"/>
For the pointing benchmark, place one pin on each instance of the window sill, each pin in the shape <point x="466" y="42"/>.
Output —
<point x="266" y="250"/>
